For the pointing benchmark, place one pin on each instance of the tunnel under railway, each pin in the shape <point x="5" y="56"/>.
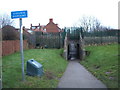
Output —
<point x="73" y="51"/>
<point x="73" y="45"/>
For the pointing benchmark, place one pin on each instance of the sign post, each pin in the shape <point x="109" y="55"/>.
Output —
<point x="20" y="15"/>
<point x="21" y="49"/>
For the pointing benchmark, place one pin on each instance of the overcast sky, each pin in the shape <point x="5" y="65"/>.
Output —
<point x="64" y="12"/>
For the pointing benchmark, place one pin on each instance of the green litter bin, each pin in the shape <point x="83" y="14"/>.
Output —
<point x="34" y="68"/>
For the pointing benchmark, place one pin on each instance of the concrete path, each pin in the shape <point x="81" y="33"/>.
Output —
<point x="76" y="76"/>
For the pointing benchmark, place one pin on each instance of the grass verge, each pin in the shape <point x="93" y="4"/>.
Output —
<point x="53" y="64"/>
<point x="103" y="63"/>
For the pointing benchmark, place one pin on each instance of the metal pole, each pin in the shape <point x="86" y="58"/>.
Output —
<point x="21" y="49"/>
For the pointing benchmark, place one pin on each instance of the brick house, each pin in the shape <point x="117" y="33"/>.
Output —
<point x="50" y="27"/>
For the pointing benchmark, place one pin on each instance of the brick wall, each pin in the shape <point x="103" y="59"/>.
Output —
<point x="12" y="46"/>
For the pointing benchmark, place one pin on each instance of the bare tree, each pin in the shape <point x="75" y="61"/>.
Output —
<point x="96" y="24"/>
<point x="84" y="22"/>
<point x="5" y="20"/>
<point x="89" y="23"/>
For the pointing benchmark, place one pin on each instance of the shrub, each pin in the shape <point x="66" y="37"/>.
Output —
<point x="9" y="33"/>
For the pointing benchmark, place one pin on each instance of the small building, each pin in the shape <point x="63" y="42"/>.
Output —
<point x="50" y="27"/>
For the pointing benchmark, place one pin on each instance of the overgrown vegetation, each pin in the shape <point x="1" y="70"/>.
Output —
<point x="103" y="63"/>
<point x="53" y="64"/>
<point x="9" y="33"/>
<point x="49" y="40"/>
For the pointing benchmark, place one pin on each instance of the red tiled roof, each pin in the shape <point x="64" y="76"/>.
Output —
<point x="50" y="27"/>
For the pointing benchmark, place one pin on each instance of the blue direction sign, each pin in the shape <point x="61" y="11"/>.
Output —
<point x="19" y="14"/>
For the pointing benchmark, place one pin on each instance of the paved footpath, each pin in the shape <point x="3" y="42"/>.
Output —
<point x="76" y="76"/>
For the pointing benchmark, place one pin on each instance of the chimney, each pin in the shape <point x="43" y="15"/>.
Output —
<point x="30" y="26"/>
<point x="39" y="25"/>
<point x="51" y="20"/>
<point x="23" y="27"/>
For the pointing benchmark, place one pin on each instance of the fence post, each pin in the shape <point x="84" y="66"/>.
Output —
<point x="118" y="36"/>
<point x="101" y="37"/>
<point x="59" y="40"/>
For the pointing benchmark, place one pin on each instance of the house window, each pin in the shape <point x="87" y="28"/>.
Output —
<point x="44" y="29"/>
<point x="33" y="27"/>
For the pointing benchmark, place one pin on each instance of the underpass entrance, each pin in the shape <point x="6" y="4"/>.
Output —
<point x="73" y="51"/>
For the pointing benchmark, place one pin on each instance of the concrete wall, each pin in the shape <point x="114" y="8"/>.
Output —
<point x="81" y="49"/>
<point x="65" y="54"/>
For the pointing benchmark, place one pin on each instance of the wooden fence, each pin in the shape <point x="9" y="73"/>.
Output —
<point x="12" y="46"/>
<point x="49" y="40"/>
